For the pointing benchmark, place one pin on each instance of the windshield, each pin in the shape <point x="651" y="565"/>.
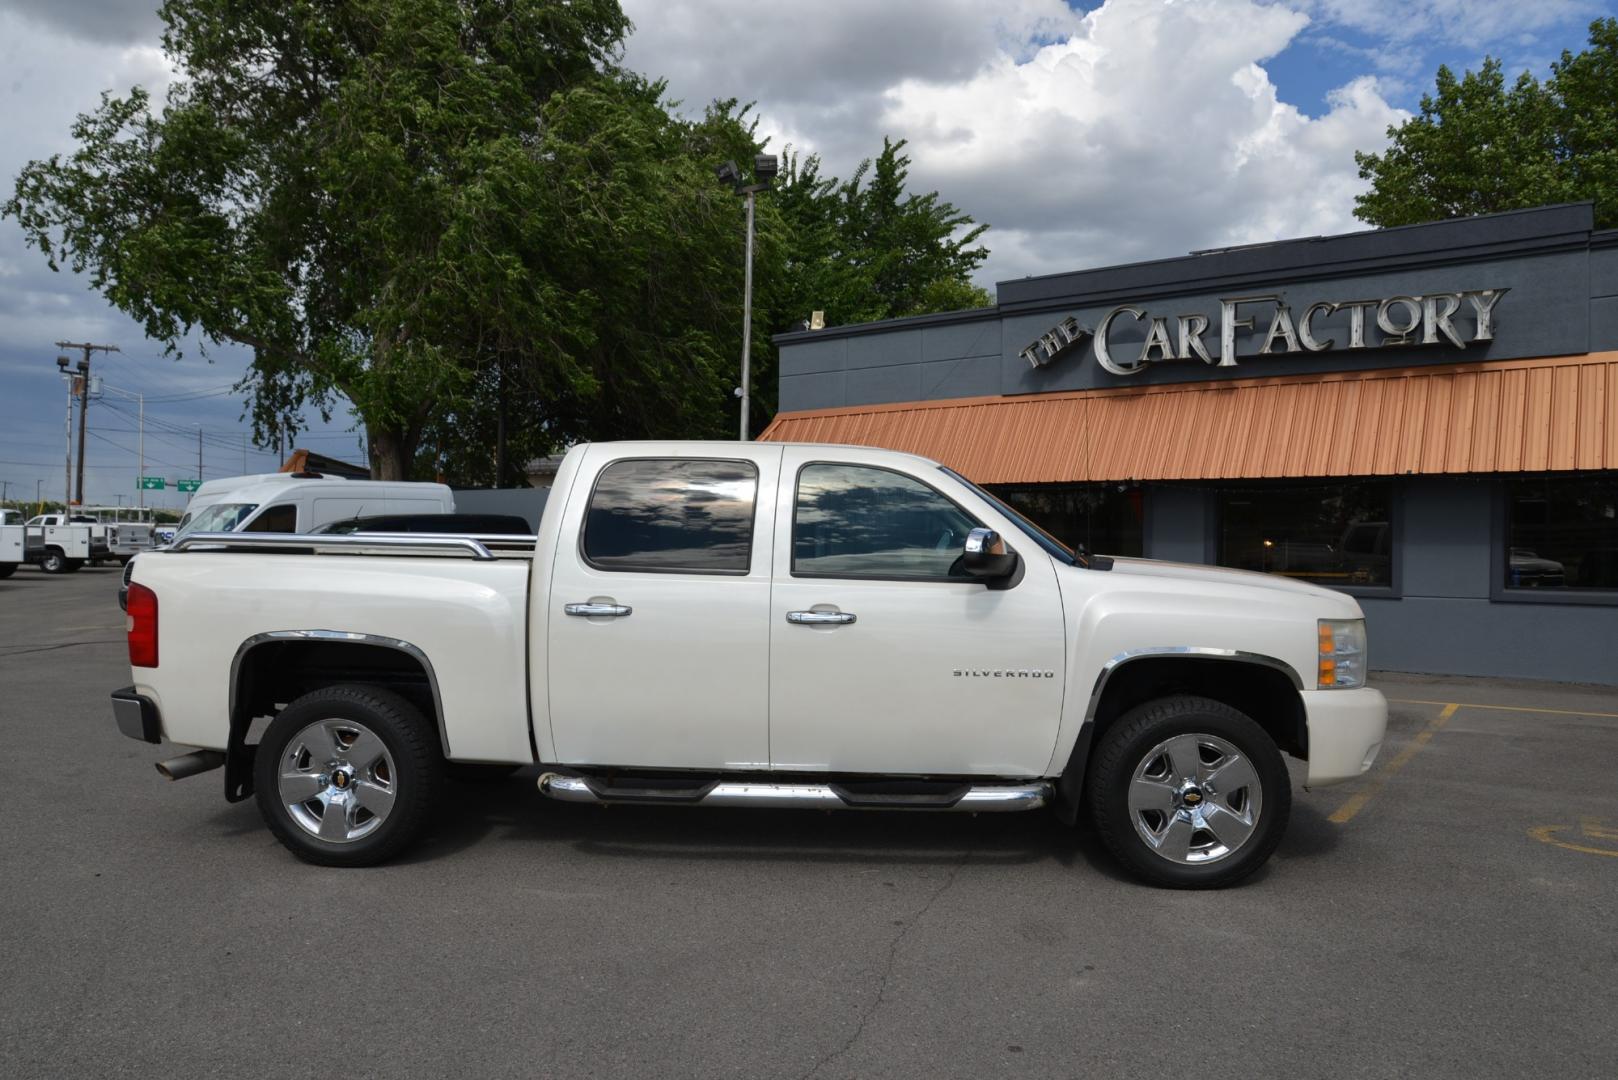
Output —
<point x="221" y="517"/>
<point x="1051" y="544"/>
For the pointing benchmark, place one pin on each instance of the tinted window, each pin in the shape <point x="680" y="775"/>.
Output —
<point x="1562" y="534"/>
<point x="855" y="521"/>
<point x="275" y="519"/>
<point x="672" y="515"/>
<point x="1330" y="534"/>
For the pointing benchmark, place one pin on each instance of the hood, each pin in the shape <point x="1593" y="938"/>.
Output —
<point x="1221" y="575"/>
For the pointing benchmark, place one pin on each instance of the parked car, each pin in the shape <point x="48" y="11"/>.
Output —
<point x="464" y="524"/>
<point x="760" y="625"/>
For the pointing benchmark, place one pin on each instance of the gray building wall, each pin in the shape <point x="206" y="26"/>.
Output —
<point x="1439" y="618"/>
<point x="1562" y="278"/>
<point x="526" y="503"/>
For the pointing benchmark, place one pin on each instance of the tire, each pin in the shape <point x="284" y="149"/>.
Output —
<point x="1156" y="796"/>
<point x="370" y="765"/>
<point x="7" y="569"/>
<point x="74" y="566"/>
<point x="54" y="562"/>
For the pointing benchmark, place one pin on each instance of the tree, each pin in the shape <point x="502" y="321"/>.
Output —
<point x="336" y="186"/>
<point x="1480" y="147"/>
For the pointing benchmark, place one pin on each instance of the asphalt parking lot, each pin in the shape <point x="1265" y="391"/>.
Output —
<point x="1454" y="913"/>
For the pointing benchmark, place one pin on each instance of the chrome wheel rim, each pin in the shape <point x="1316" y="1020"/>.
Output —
<point x="337" y="781"/>
<point x="1195" y="799"/>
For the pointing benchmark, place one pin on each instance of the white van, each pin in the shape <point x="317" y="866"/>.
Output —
<point x="301" y="502"/>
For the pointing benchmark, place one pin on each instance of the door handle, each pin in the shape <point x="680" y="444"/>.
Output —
<point x="820" y="618"/>
<point x="616" y="611"/>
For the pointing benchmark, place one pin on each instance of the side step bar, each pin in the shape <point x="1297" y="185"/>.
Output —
<point x="973" y="799"/>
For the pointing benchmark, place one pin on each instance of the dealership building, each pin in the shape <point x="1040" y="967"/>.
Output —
<point x="1425" y="417"/>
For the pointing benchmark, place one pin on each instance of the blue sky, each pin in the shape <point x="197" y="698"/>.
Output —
<point x="1085" y="135"/>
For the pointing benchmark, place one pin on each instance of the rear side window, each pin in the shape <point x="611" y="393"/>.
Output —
<point x="864" y="522"/>
<point x="275" y="519"/>
<point x="672" y="515"/>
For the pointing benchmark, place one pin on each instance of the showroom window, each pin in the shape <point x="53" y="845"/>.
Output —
<point x="672" y="516"/>
<point x="1329" y="534"/>
<point x="1092" y="519"/>
<point x="1561" y="533"/>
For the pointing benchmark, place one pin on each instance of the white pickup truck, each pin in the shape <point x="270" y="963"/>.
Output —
<point x="751" y="625"/>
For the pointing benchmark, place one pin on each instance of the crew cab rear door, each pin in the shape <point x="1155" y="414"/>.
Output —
<point x="659" y="605"/>
<point x="885" y="658"/>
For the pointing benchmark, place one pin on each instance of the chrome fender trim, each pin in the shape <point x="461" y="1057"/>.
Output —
<point x="351" y="638"/>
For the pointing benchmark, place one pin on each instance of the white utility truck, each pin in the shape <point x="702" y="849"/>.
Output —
<point x="62" y="543"/>
<point x="751" y="625"/>
<point x="127" y="530"/>
<point x="13" y="548"/>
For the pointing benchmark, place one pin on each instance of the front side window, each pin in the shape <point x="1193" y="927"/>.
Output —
<point x="1562" y="533"/>
<point x="857" y="521"/>
<point x="1329" y="534"/>
<point x="672" y="515"/>
<point x="221" y="517"/>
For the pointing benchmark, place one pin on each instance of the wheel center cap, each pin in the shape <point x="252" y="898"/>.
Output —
<point x="1191" y="796"/>
<point x="341" y="778"/>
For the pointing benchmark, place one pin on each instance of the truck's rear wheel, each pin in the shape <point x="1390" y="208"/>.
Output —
<point x="347" y="775"/>
<point x="7" y="569"/>
<point x="54" y="562"/>
<point x="1189" y="793"/>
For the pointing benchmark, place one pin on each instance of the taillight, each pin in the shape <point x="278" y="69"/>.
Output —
<point x="142" y="626"/>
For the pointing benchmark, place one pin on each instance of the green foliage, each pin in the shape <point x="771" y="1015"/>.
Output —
<point x="1480" y="147"/>
<point x="433" y="207"/>
<point x="865" y="249"/>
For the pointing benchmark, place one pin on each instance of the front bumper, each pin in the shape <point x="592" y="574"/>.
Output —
<point x="137" y="715"/>
<point x="1345" y="732"/>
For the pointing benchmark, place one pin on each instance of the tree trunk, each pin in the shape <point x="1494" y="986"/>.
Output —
<point x="392" y="454"/>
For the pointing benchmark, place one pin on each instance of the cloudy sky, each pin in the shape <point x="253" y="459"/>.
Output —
<point x="1085" y="134"/>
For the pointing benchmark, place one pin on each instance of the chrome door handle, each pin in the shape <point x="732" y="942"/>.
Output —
<point x="588" y="610"/>
<point x="820" y="618"/>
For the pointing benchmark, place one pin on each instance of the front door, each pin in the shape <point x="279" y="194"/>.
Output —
<point x="885" y="657"/>
<point x="658" y="628"/>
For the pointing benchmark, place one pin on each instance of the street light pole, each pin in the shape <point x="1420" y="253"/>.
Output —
<point x="747" y="318"/>
<point x="764" y="172"/>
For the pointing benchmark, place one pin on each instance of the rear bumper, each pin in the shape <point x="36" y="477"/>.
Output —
<point x="1345" y="732"/>
<point x="136" y="715"/>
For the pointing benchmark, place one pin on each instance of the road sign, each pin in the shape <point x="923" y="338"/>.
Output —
<point x="187" y="485"/>
<point x="151" y="483"/>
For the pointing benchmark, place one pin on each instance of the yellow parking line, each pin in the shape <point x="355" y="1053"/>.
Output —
<point x="1508" y="708"/>
<point x="1357" y="801"/>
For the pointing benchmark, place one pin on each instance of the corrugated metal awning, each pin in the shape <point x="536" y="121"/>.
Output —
<point x="1507" y="416"/>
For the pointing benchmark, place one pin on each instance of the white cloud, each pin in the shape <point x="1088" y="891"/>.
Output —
<point x="1144" y="129"/>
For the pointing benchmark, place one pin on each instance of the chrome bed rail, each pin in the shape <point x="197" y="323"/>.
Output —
<point x="481" y="548"/>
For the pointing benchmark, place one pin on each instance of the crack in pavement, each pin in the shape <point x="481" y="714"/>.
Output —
<point x="63" y="645"/>
<point x="887" y="970"/>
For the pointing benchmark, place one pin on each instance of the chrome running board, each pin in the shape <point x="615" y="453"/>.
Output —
<point x="968" y="798"/>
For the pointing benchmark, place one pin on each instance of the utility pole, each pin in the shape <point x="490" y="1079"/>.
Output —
<point x="84" y="394"/>
<point x="199" y="453"/>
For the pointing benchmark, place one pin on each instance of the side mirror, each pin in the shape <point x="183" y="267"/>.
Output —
<point x="986" y="555"/>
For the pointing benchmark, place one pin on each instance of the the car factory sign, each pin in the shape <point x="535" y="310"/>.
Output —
<point x="1433" y="319"/>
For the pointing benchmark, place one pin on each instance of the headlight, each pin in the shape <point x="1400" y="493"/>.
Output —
<point x="1342" y="654"/>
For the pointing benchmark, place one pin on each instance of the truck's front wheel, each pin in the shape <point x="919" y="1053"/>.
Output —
<point x="1189" y="793"/>
<point x="347" y="775"/>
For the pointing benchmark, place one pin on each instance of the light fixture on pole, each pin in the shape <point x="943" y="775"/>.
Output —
<point x="765" y="168"/>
